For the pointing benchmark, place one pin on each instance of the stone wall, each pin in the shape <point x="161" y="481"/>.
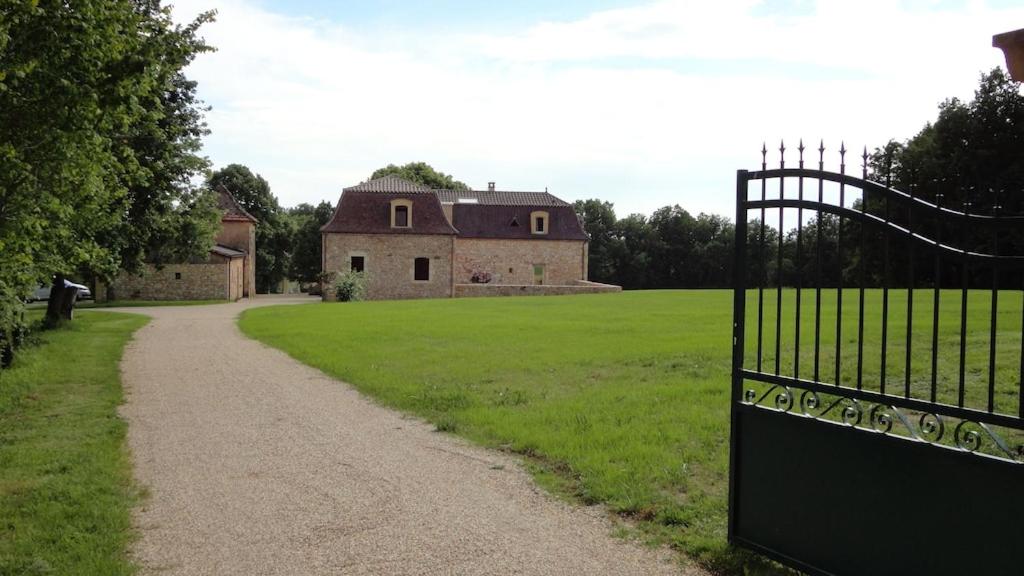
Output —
<point x="580" y="287"/>
<point x="236" y="278"/>
<point x="241" y="236"/>
<point x="207" y="281"/>
<point x="389" y="261"/>
<point x="512" y="261"/>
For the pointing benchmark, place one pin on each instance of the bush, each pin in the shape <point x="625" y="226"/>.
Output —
<point x="479" y="277"/>
<point x="350" y="286"/>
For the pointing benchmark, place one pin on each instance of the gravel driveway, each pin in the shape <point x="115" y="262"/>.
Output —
<point x="257" y="464"/>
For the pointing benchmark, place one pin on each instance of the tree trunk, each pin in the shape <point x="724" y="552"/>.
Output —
<point x="61" y="305"/>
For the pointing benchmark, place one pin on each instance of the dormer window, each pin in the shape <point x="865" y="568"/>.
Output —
<point x="401" y="213"/>
<point x="539" y="222"/>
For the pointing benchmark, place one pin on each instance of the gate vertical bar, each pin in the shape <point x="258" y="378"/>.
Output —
<point x="995" y="309"/>
<point x="910" y="294"/>
<point x="799" y="265"/>
<point x="935" y="301"/>
<point x="965" y="267"/>
<point x="761" y="261"/>
<point x="778" y="266"/>
<point x="739" y="304"/>
<point x="862" y="274"/>
<point x="817" y="267"/>
<point x="839" y="260"/>
<point x="885" y="281"/>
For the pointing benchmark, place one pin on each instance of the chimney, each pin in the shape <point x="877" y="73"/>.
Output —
<point x="490" y="186"/>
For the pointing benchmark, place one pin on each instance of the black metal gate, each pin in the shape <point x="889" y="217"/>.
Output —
<point x="877" y="407"/>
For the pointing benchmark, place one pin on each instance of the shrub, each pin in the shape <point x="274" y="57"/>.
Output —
<point x="350" y="286"/>
<point x="480" y="277"/>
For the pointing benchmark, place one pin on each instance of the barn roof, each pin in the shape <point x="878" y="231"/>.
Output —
<point x="233" y="211"/>
<point x="366" y="209"/>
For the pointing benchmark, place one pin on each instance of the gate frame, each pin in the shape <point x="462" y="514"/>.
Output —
<point x="921" y="444"/>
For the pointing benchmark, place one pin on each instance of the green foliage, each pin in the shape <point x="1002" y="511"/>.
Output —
<point x="971" y="145"/>
<point x="421" y="173"/>
<point x="350" y="286"/>
<point x="621" y="398"/>
<point x="99" y="133"/>
<point x="65" y="481"/>
<point x="274" y="231"/>
<point x="307" y="247"/>
<point x="671" y="249"/>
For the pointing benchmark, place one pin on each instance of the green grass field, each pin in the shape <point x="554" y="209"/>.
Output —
<point x="621" y="399"/>
<point x="65" y="475"/>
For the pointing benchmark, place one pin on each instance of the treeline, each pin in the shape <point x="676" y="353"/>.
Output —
<point x="669" y="249"/>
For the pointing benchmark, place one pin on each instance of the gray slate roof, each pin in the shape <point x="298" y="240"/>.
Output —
<point x="500" y="197"/>
<point x="389" y="183"/>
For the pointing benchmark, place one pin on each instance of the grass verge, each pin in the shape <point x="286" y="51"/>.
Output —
<point x="65" y="475"/>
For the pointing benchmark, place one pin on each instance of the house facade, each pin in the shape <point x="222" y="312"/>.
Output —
<point x="415" y="242"/>
<point x="228" y="273"/>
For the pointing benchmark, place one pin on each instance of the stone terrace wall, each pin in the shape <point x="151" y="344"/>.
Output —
<point x="579" y="287"/>
<point x="197" y="282"/>
<point x="512" y="261"/>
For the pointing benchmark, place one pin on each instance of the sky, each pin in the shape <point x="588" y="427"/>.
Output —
<point x="642" y="104"/>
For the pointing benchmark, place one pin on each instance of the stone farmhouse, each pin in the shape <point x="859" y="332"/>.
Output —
<point x="416" y="242"/>
<point x="229" y="273"/>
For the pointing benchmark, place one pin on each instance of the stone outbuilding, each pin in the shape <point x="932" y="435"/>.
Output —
<point x="416" y="242"/>
<point x="228" y="273"/>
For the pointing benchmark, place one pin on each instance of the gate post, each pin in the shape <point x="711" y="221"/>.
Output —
<point x="739" y="306"/>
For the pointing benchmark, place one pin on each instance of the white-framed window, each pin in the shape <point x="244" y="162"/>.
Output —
<point x="401" y="213"/>
<point x="539" y="222"/>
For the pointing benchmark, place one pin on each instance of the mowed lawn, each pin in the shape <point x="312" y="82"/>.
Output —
<point x="65" y="475"/>
<point x="621" y="399"/>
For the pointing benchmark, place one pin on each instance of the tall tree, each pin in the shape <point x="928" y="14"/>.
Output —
<point x="598" y="219"/>
<point x="273" y="230"/>
<point x="421" y="173"/>
<point x="307" y="249"/>
<point x="85" y="88"/>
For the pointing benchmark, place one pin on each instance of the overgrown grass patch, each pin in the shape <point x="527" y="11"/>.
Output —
<point x="65" y="476"/>
<point x="620" y="399"/>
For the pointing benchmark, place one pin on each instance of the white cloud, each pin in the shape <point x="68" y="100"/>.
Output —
<point x="643" y="106"/>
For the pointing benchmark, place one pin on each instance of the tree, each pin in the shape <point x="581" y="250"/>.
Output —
<point x="972" y="152"/>
<point x="273" y="229"/>
<point x="421" y="173"/>
<point x="307" y="249"/>
<point x="92" y="108"/>
<point x="598" y="219"/>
